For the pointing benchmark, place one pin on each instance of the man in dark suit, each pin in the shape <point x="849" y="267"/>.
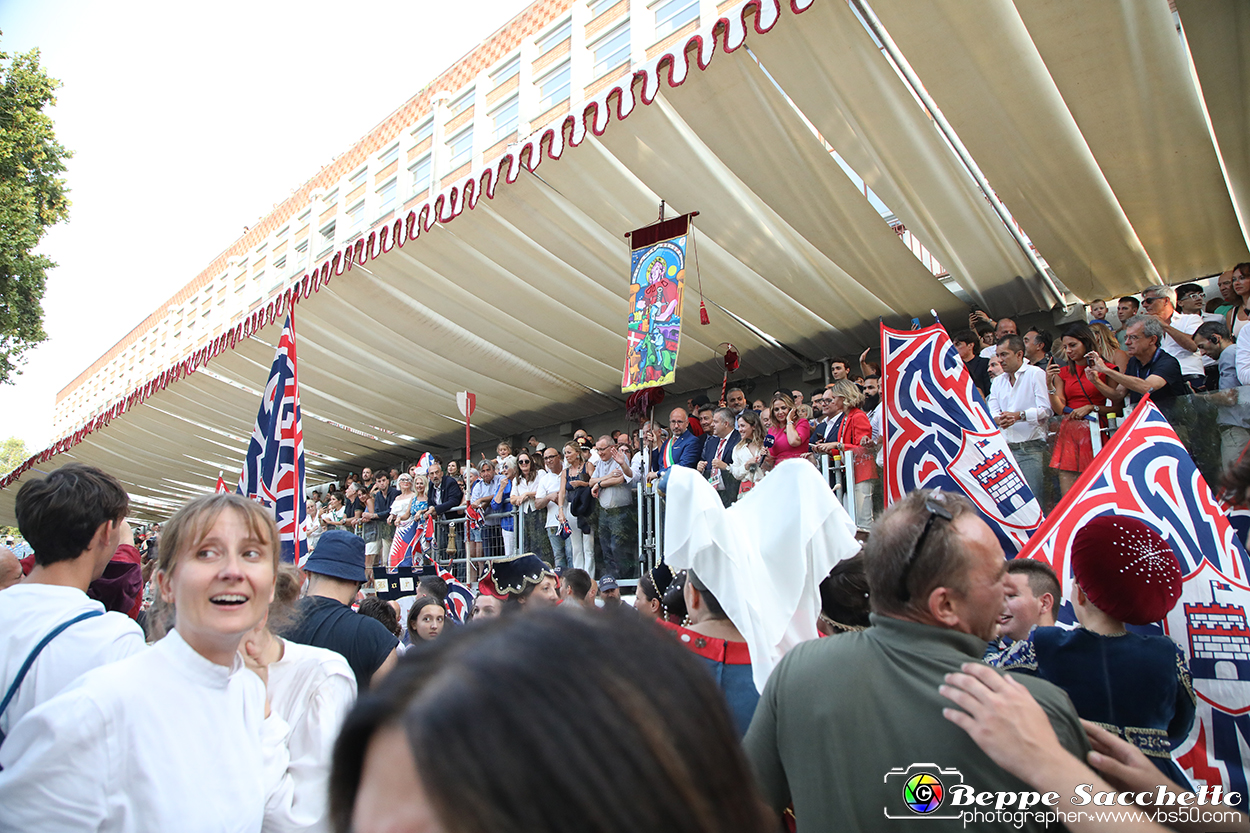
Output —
<point x="443" y="495"/>
<point x="718" y="449"/>
<point x="822" y="432"/>
<point x="682" y="448"/>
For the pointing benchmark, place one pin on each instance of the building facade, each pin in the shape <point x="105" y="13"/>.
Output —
<point x="545" y="61"/>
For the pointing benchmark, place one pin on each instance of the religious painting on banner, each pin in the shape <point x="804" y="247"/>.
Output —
<point x="657" y="268"/>
<point x="1145" y="472"/>
<point x="273" y="471"/>
<point x="938" y="432"/>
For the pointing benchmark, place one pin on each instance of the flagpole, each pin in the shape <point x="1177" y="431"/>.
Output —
<point x="301" y="507"/>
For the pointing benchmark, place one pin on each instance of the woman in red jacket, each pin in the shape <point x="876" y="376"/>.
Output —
<point x="854" y="436"/>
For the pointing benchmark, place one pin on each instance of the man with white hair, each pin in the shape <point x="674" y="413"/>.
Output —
<point x="1178" y="332"/>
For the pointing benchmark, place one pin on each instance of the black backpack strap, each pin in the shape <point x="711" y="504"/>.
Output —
<point x="34" y="654"/>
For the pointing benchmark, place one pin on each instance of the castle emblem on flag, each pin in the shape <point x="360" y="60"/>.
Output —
<point x="938" y="432"/>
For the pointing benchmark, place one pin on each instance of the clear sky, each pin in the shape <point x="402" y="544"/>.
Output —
<point x="189" y="122"/>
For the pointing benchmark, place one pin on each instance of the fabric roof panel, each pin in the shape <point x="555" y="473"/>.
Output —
<point x="1123" y="73"/>
<point x="829" y="65"/>
<point x="1218" y="34"/>
<point x="980" y="65"/>
<point x="769" y="148"/>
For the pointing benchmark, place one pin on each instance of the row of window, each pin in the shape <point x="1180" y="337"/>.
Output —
<point x="608" y="52"/>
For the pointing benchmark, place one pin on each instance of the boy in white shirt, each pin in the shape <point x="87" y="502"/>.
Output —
<point x="74" y="518"/>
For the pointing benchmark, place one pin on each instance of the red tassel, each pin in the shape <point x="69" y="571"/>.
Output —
<point x="703" y="319"/>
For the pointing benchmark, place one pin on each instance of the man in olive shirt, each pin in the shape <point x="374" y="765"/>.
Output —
<point x="842" y="720"/>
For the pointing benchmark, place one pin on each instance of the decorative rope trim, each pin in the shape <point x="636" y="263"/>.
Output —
<point x="1153" y="742"/>
<point x="450" y="203"/>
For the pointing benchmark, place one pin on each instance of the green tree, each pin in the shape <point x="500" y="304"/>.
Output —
<point x="12" y="454"/>
<point x="33" y="197"/>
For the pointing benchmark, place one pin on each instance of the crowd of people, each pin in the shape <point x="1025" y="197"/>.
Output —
<point x="576" y="506"/>
<point x="251" y="695"/>
<point x="187" y="679"/>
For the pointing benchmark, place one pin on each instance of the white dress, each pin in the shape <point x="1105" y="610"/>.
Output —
<point x="28" y="613"/>
<point x="163" y="740"/>
<point x="312" y="689"/>
<point x="743" y="457"/>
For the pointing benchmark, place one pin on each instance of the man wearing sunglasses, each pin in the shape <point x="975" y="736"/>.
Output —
<point x="839" y="714"/>
<point x="1178" y="332"/>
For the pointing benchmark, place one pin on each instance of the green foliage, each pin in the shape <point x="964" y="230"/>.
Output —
<point x="12" y="454"/>
<point x="33" y="197"/>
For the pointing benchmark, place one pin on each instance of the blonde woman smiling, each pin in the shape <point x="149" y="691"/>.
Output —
<point x="178" y="737"/>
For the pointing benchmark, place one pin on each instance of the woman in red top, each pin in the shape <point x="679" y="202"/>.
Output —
<point x="854" y="435"/>
<point x="1073" y="395"/>
<point x="789" y="431"/>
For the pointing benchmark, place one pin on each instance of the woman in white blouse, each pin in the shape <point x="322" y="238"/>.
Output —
<point x="745" y="466"/>
<point x="310" y="688"/>
<point x="401" y="507"/>
<point x="180" y="736"/>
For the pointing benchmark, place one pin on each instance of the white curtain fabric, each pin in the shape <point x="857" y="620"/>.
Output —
<point x="1218" y="34"/>
<point x="765" y="556"/>
<point x="828" y="63"/>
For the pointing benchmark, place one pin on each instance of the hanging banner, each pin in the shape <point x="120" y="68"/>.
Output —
<point x="1146" y="473"/>
<point x="938" y="432"/>
<point x="657" y="268"/>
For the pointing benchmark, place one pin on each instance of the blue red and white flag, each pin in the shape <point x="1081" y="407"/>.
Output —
<point x="221" y="483"/>
<point x="938" y="432"/>
<point x="459" y="600"/>
<point x="407" y="545"/>
<point x="1146" y="473"/>
<point x="474" y="516"/>
<point x="273" y="472"/>
<point x="424" y="462"/>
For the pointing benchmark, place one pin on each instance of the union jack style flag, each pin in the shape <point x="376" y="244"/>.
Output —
<point x="474" y="516"/>
<point x="1145" y="472"/>
<point x="273" y="472"/>
<point x="938" y="432"/>
<point x="221" y="484"/>
<point x="406" y="545"/>
<point x="459" y="601"/>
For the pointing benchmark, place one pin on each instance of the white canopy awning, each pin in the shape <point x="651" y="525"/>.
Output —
<point x="512" y="283"/>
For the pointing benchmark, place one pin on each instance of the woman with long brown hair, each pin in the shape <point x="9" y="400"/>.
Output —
<point x="1073" y="394"/>
<point x="749" y="452"/>
<point x="465" y="739"/>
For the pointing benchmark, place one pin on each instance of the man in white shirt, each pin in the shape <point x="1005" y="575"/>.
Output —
<point x="1178" y="331"/>
<point x="1192" y="300"/>
<point x="1020" y="404"/>
<point x="74" y="519"/>
<point x="547" y="498"/>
